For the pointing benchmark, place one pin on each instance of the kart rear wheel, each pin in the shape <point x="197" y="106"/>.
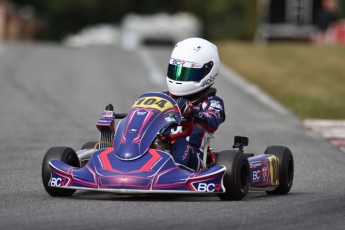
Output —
<point x="236" y="178"/>
<point x="89" y="145"/>
<point x="64" y="154"/>
<point x="286" y="169"/>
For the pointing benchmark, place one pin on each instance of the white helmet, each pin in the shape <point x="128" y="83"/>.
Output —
<point x="193" y="66"/>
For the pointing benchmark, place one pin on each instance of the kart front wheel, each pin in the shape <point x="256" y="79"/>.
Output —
<point x="286" y="168"/>
<point x="236" y="178"/>
<point x="64" y="154"/>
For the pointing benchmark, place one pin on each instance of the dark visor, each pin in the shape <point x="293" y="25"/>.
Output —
<point x="180" y="73"/>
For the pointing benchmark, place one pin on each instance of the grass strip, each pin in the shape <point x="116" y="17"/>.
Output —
<point x="309" y="79"/>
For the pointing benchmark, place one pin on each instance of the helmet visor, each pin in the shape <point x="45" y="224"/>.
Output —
<point x="181" y="73"/>
<point x="193" y="73"/>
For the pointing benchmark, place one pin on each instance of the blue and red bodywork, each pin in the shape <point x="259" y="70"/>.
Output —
<point x="131" y="165"/>
<point x="154" y="171"/>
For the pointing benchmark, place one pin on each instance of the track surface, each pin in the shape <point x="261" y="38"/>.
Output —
<point x="51" y="95"/>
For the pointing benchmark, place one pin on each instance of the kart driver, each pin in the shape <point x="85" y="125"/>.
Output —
<point x="192" y="70"/>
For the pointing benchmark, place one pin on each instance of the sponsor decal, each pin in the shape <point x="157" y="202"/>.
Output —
<point x="255" y="165"/>
<point x="141" y="113"/>
<point x="196" y="66"/>
<point x="186" y="152"/>
<point x="184" y="63"/>
<point x="256" y="175"/>
<point x="216" y="104"/>
<point x="170" y="119"/>
<point x="264" y="173"/>
<point x="105" y="121"/>
<point x="132" y="131"/>
<point x="208" y="187"/>
<point x="153" y="103"/>
<point x="197" y="49"/>
<point x="58" y="181"/>
<point x="203" y="114"/>
<point x="107" y="113"/>
<point x="178" y="62"/>
<point x="208" y="81"/>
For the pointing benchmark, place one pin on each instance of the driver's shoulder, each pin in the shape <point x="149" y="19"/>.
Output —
<point x="211" y="98"/>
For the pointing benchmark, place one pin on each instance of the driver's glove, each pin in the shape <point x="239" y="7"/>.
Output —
<point x="186" y="108"/>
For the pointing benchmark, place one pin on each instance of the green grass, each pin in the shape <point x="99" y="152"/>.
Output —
<point x="309" y="79"/>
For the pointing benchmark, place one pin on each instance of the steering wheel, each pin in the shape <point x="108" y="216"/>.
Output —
<point x="188" y="125"/>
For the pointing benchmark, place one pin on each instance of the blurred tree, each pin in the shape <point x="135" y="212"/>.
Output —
<point x="342" y="8"/>
<point x="226" y="18"/>
<point x="221" y="18"/>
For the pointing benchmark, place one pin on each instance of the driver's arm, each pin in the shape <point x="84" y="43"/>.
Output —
<point x="210" y="113"/>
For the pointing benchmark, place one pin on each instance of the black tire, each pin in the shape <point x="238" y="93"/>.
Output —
<point x="286" y="169"/>
<point x="89" y="145"/>
<point x="236" y="178"/>
<point x="64" y="154"/>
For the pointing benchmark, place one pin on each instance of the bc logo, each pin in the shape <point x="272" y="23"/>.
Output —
<point x="211" y="187"/>
<point x="58" y="181"/>
<point x="256" y="175"/>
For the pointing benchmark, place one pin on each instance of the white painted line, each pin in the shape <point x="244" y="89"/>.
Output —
<point x="155" y="74"/>
<point x="237" y="80"/>
<point x="323" y="123"/>
<point x="339" y="133"/>
<point x="319" y="129"/>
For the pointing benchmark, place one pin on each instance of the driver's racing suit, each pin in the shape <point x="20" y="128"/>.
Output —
<point x="208" y="113"/>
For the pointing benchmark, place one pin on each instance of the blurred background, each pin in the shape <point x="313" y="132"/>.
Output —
<point x="219" y="19"/>
<point x="295" y="43"/>
<point x="57" y="18"/>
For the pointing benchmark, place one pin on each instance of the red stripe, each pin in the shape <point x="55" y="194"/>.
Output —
<point x="208" y="128"/>
<point x="104" y="158"/>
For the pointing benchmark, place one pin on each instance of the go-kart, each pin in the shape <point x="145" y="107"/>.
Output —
<point x="135" y="158"/>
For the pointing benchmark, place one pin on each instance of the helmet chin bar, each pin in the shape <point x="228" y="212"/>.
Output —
<point x="188" y="88"/>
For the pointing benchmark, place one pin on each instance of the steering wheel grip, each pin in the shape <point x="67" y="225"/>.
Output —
<point x="188" y="125"/>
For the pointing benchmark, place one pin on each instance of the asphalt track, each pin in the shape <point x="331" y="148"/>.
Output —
<point x="52" y="95"/>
